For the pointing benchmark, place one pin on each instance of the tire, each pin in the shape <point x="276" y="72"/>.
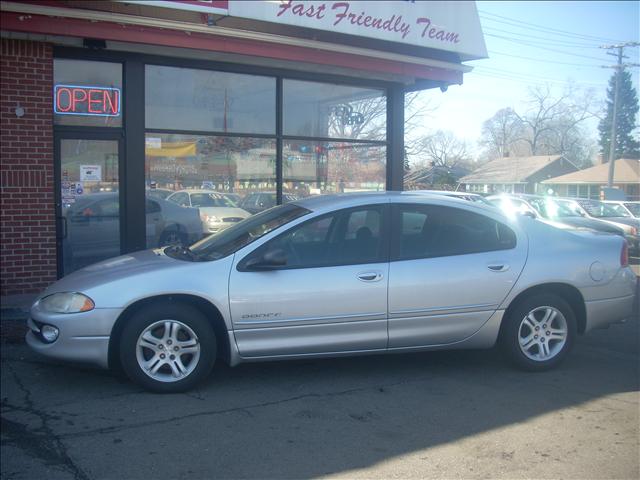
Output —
<point x="172" y="236"/>
<point x="174" y="341"/>
<point x="539" y="332"/>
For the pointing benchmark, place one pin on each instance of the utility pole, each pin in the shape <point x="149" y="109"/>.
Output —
<point x="619" y="69"/>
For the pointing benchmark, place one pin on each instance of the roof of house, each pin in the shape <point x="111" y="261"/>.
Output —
<point x="509" y="169"/>
<point x="626" y="170"/>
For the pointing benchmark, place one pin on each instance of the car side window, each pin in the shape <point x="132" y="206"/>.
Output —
<point x="346" y="237"/>
<point x="180" y="199"/>
<point x="428" y="231"/>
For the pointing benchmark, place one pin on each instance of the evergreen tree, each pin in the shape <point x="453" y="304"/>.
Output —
<point x="626" y="145"/>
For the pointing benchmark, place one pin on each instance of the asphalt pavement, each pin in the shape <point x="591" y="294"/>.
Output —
<point x="431" y="415"/>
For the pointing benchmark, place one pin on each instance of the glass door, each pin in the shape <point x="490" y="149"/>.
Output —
<point x="88" y="200"/>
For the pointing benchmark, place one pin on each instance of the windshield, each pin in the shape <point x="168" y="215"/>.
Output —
<point x="245" y="232"/>
<point x="619" y="209"/>
<point x="599" y="209"/>
<point x="634" y="208"/>
<point x="551" y="209"/>
<point x="575" y="209"/>
<point x="210" y="200"/>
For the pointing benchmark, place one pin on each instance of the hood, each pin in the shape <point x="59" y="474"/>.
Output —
<point x="120" y="281"/>
<point x="107" y="271"/>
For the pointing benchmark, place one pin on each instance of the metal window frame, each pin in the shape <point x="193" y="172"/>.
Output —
<point x="133" y="131"/>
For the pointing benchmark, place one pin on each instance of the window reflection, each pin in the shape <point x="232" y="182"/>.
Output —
<point x="205" y="184"/>
<point x="325" y="110"/>
<point x="205" y="100"/>
<point x="315" y="168"/>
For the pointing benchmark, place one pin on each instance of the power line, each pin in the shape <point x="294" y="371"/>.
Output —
<point x="544" y="40"/>
<point x="530" y="44"/>
<point x="526" y="76"/>
<point x="535" y="26"/>
<point x="542" y="60"/>
<point x="521" y="81"/>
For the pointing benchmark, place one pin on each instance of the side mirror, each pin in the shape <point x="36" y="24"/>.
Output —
<point x="529" y="213"/>
<point x="271" y="260"/>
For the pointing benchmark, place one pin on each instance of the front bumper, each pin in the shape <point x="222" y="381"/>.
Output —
<point x="83" y="337"/>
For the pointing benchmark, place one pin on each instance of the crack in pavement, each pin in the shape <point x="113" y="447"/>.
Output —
<point x="241" y="409"/>
<point x="42" y="442"/>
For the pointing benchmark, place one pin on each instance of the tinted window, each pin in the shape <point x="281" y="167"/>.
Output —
<point x="427" y="231"/>
<point x="346" y="237"/>
<point x="336" y="111"/>
<point x="204" y="100"/>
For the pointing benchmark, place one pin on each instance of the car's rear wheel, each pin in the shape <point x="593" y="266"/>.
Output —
<point x="539" y="332"/>
<point x="168" y="347"/>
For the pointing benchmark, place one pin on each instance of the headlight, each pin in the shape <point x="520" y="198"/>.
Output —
<point x="210" y="219"/>
<point x="68" y="302"/>
<point x="634" y="231"/>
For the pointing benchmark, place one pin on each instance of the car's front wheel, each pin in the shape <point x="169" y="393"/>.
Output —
<point x="168" y="347"/>
<point x="539" y="332"/>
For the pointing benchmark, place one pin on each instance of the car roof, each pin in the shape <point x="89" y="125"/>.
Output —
<point x="346" y="200"/>
<point x="450" y="193"/>
<point x="199" y="190"/>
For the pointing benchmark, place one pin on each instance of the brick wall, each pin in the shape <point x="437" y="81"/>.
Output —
<point x="27" y="217"/>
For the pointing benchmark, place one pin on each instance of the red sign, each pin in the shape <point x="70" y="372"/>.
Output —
<point x="83" y="100"/>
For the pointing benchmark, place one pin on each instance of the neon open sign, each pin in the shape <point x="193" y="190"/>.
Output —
<point x="83" y="100"/>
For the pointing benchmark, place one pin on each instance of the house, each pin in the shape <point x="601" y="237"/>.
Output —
<point x="516" y="174"/>
<point x="587" y="183"/>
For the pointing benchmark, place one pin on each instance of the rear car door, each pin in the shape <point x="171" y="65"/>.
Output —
<point x="331" y="296"/>
<point x="450" y="270"/>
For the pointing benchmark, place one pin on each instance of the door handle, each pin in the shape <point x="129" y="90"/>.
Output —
<point x="62" y="227"/>
<point x="370" y="276"/>
<point x="498" y="267"/>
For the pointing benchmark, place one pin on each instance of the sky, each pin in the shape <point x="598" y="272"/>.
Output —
<point x="535" y="43"/>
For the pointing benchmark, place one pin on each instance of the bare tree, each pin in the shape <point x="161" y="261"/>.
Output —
<point x="444" y="149"/>
<point x="551" y="125"/>
<point x="500" y="134"/>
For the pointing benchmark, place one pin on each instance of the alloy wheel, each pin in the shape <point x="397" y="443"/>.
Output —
<point x="542" y="333"/>
<point x="168" y="351"/>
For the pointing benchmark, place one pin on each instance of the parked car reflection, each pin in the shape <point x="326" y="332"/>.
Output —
<point x="217" y="212"/>
<point x="258" y="201"/>
<point x="93" y="227"/>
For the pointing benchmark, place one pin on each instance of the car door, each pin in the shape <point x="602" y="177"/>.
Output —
<point x="450" y="270"/>
<point x="331" y="296"/>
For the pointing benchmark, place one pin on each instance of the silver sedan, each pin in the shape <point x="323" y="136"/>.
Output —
<point x="339" y="275"/>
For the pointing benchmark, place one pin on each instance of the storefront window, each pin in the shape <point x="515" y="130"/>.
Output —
<point x="87" y="93"/>
<point x="203" y="100"/>
<point x="314" y="168"/>
<point x="325" y="110"/>
<point x="200" y="185"/>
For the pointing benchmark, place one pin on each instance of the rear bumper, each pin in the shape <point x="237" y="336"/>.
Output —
<point x="602" y="313"/>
